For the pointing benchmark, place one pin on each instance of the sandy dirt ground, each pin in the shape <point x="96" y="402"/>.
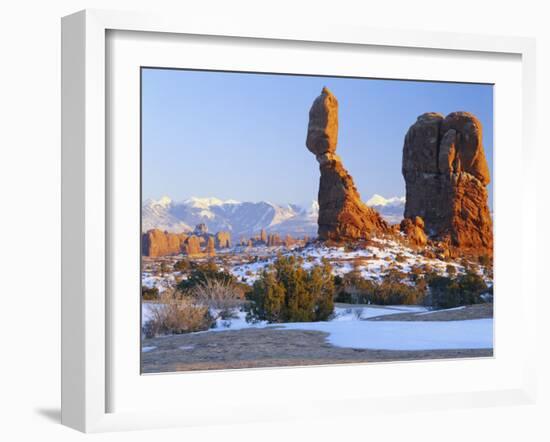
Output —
<point x="274" y="347"/>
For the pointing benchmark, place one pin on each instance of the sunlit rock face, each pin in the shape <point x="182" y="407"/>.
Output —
<point x="156" y="243"/>
<point x="446" y="176"/>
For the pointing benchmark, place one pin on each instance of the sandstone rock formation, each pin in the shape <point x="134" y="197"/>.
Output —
<point x="193" y="245"/>
<point x="413" y="229"/>
<point x="274" y="240"/>
<point x="446" y="176"/>
<point x="223" y="240"/>
<point x="342" y="214"/>
<point x="210" y="249"/>
<point x="156" y="243"/>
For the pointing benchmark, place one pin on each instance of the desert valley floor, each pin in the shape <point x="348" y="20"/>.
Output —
<point x="396" y="334"/>
<point x="355" y="333"/>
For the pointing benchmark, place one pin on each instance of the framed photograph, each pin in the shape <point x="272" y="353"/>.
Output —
<point x="254" y="215"/>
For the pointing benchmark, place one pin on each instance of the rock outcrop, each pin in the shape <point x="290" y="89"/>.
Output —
<point x="193" y="245"/>
<point x="210" y="249"/>
<point x="413" y="229"/>
<point x="156" y="243"/>
<point x="223" y="240"/>
<point x="446" y="176"/>
<point x="342" y="214"/>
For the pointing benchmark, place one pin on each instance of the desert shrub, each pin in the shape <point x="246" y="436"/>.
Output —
<point x="149" y="293"/>
<point x="392" y="290"/>
<point x="395" y="292"/>
<point x="201" y="273"/>
<point x="400" y="258"/>
<point x="175" y="314"/>
<point x="451" y="270"/>
<point x="286" y="292"/>
<point x="348" y="247"/>
<point x="416" y="274"/>
<point x="472" y="286"/>
<point x="354" y="289"/>
<point x="448" y="292"/>
<point x="485" y="260"/>
<point x="221" y="297"/>
<point x="182" y="265"/>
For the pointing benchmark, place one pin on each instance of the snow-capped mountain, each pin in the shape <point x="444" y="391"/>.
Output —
<point x="391" y="209"/>
<point x="248" y="218"/>
<point x="157" y="214"/>
<point x="240" y="218"/>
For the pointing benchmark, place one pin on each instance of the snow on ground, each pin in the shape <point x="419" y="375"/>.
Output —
<point x="372" y="261"/>
<point x="366" y="312"/>
<point x="146" y="349"/>
<point x="160" y="282"/>
<point x="237" y="323"/>
<point x="349" y="329"/>
<point x="394" y="335"/>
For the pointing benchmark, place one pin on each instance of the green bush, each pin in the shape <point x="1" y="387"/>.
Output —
<point x="485" y="260"/>
<point x="448" y="292"/>
<point x="286" y="292"/>
<point x="182" y="265"/>
<point x="397" y="293"/>
<point x="352" y="288"/>
<point x="201" y="273"/>
<point x="451" y="270"/>
<point x="392" y="290"/>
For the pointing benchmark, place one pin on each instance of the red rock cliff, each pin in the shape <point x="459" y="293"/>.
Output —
<point x="446" y="176"/>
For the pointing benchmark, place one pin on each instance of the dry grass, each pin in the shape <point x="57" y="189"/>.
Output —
<point x="217" y="295"/>
<point x="175" y="313"/>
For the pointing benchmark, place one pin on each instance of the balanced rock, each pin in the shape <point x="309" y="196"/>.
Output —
<point x="446" y="176"/>
<point x="342" y="214"/>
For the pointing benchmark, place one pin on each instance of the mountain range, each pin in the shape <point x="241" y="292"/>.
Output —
<point x="245" y="219"/>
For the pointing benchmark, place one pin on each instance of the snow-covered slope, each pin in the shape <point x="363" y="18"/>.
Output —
<point x="158" y="215"/>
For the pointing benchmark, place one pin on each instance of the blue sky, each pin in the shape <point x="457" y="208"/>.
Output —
<point x="242" y="136"/>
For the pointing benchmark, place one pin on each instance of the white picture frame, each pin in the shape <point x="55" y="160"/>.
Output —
<point x="87" y="205"/>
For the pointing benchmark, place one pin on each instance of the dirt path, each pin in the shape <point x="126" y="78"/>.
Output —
<point x="269" y="347"/>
